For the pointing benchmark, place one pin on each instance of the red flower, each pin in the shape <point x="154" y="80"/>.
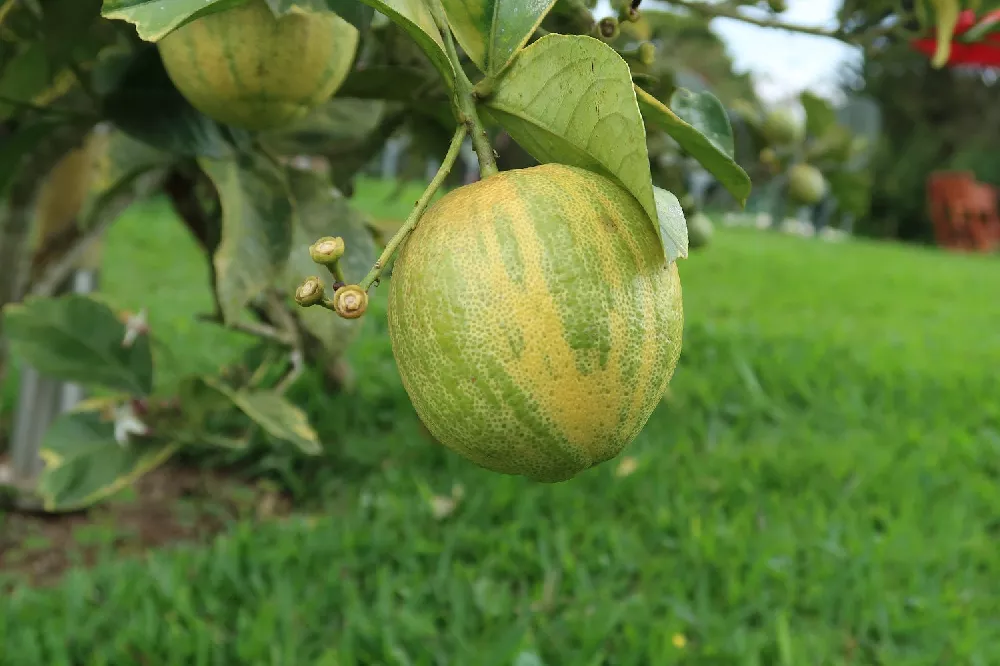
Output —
<point x="983" y="53"/>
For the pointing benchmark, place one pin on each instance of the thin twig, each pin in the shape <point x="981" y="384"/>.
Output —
<point x="51" y="110"/>
<point x="465" y="99"/>
<point x="418" y="209"/>
<point x="256" y="329"/>
<point x="726" y="10"/>
<point x="297" y="360"/>
<point x="279" y="312"/>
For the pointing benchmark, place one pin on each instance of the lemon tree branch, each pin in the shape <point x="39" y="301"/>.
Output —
<point x="712" y="10"/>
<point x="419" y="208"/>
<point x="465" y="98"/>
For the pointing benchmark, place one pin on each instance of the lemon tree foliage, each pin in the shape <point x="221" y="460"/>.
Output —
<point x="270" y="411"/>
<point x="492" y="31"/>
<point x="712" y="146"/>
<point x="415" y="17"/>
<point x="145" y="96"/>
<point x="813" y="159"/>
<point x="569" y="100"/>
<point x="153" y="19"/>
<point x="251" y="118"/>
<point x="88" y="465"/>
<point x="355" y="13"/>
<point x="322" y="211"/>
<point x="78" y="339"/>
<point x="257" y="224"/>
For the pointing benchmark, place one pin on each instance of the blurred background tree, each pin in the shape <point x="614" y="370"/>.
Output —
<point x="932" y="119"/>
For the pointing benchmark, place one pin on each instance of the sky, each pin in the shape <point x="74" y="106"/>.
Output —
<point x="785" y="63"/>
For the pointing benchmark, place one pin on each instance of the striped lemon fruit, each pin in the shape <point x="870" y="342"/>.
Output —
<point x="534" y="320"/>
<point x="247" y="68"/>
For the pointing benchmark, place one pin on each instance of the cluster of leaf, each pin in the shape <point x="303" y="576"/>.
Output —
<point x="677" y="57"/>
<point x="75" y="69"/>
<point x="73" y="82"/>
<point x="824" y="141"/>
<point x="93" y="451"/>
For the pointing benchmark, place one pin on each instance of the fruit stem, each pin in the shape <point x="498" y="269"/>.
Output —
<point x="418" y="210"/>
<point x="465" y="98"/>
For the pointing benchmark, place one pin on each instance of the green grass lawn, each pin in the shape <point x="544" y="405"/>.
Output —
<point x="819" y="488"/>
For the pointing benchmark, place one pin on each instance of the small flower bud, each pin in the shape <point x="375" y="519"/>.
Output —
<point x="310" y="292"/>
<point x="327" y="250"/>
<point x="608" y="28"/>
<point x="350" y="302"/>
<point x="647" y="53"/>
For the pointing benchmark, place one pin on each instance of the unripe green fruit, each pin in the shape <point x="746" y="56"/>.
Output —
<point x="700" y="230"/>
<point x="608" y="28"/>
<point x="647" y="53"/>
<point x="247" y="68"/>
<point x="806" y="184"/>
<point x="782" y="128"/>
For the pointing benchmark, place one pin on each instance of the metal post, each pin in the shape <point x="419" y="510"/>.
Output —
<point x="41" y="400"/>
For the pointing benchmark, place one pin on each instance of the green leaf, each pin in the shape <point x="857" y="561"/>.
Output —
<point x="945" y="19"/>
<point x="72" y="32"/>
<point x="272" y="412"/>
<point x="491" y="32"/>
<point x="84" y="464"/>
<point x="852" y="190"/>
<point x="322" y="211"/>
<point x="672" y="225"/>
<point x="704" y="112"/>
<point x="120" y="159"/>
<point x="569" y="99"/>
<point x="353" y="11"/>
<point x="336" y="126"/>
<point x="416" y="19"/>
<point x="153" y="19"/>
<point x="5" y="8"/>
<point x="24" y="75"/>
<point x="147" y="106"/>
<point x="710" y="155"/>
<point x="225" y="441"/>
<point x="820" y="116"/>
<point x="400" y="83"/>
<point x="79" y="339"/>
<point x="257" y="223"/>
<point x="832" y="147"/>
<point x="21" y="144"/>
<point x="282" y="7"/>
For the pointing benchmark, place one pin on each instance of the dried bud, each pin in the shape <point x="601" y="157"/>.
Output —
<point x="310" y="292"/>
<point x="608" y="28"/>
<point x="327" y="250"/>
<point x="350" y="302"/>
